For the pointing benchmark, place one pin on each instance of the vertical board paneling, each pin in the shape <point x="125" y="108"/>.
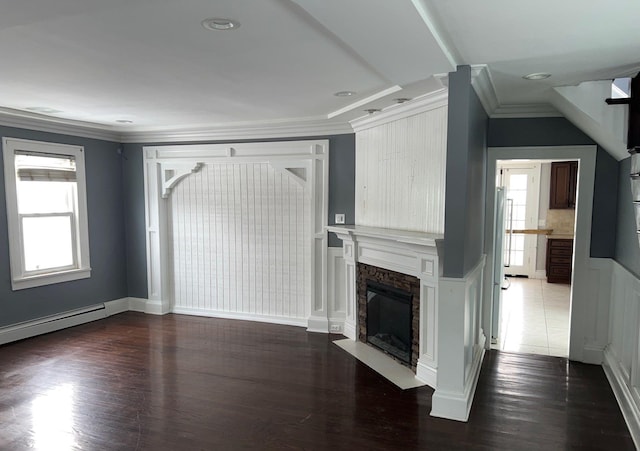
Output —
<point x="400" y="173"/>
<point x="241" y="240"/>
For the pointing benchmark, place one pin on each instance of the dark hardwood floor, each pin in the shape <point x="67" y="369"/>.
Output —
<point x="136" y="381"/>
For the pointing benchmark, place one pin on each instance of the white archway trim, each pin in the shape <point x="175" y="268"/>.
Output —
<point x="306" y="162"/>
<point x="589" y="328"/>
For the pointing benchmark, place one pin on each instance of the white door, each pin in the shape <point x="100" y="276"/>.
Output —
<point x="522" y="187"/>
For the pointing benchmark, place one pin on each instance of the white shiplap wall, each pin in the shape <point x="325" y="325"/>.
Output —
<point x="241" y="243"/>
<point x="400" y="173"/>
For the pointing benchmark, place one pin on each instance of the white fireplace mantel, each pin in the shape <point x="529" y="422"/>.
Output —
<point x="414" y="253"/>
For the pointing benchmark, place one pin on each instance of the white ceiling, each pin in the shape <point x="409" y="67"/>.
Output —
<point x="151" y="62"/>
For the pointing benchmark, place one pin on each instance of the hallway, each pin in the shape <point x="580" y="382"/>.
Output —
<point x="535" y="317"/>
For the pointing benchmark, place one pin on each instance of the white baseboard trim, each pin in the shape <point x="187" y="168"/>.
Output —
<point x="318" y="324"/>
<point x="593" y="355"/>
<point x="117" y="306"/>
<point x="156" y="307"/>
<point x="629" y="407"/>
<point x="455" y="406"/>
<point x="138" y="305"/>
<point x="300" y="322"/>
<point x="427" y="374"/>
<point x="350" y="331"/>
<point x="63" y="320"/>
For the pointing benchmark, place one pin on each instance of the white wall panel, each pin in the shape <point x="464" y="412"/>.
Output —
<point x="621" y="356"/>
<point x="241" y="242"/>
<point x="400" y="173"/>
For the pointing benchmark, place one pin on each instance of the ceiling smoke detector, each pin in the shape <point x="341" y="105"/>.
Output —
<point x="401" y="100"/>
<point x="537" y="76"/>
<point x="220" y="24"/>
<point x="345" y="93"/>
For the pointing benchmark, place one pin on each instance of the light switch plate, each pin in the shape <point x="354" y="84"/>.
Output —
<point x="339" y="218"/>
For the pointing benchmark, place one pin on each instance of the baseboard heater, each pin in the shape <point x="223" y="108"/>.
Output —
<point x="52" y="323"/>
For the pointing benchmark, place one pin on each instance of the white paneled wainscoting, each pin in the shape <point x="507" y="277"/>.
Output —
<point x="461" y="344"/>
<point x="622" y="355"/>
<point x="237" y="231"/>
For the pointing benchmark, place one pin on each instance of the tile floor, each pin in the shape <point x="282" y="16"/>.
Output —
<point x="535" y="317"/>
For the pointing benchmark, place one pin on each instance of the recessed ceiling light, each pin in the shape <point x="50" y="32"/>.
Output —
<point x="220" y="24"/>
<point x="124" y="121"/>
<point x="537" y="76"/>
<point x="345" y="93"/>
<point x="43" y="110"/>
<point x="372" y="110"/>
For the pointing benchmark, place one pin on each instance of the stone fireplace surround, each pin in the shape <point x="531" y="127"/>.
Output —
<point x="415" y="254"/>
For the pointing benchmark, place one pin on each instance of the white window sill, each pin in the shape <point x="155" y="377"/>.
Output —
<point x="48" y="279"/>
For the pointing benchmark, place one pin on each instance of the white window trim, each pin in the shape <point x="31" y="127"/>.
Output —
<point x="19" y="280"/>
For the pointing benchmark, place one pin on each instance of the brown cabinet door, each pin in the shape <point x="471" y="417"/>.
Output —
<point x="559" y="259"/>
<point x="564" y="177"/>
<point x="573" y="183"/>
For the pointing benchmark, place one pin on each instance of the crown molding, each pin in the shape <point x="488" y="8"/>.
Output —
<point x="239" y="131"/>
<point x="483" y="86"/>
<point x="32" y="121"/>
<point x="418" y="105"/>
<point x="264" y="130"/>
<point x="525" y="111"/>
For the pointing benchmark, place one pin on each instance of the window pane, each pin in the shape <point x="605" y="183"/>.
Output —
<point x="46" y="197"/>
<point x="48" y="242"/>
<point x="518" y="182"/>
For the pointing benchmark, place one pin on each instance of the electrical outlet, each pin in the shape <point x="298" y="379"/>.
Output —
<point x="336" y="328"/>
<point x="339" y="218"/>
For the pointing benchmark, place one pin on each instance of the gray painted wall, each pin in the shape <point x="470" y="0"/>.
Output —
<point x="342" y="183"/>
<point x="106" y="238"/>
<point x="558" y="131"/>
<point x="605" y="206"/>
<point x="542" y="131"/>
<point x="466" y="176"/>
<point x="627" y="250"/>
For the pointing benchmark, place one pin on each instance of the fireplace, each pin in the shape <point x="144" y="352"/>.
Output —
<point x="393" y="299"/>
<point x="404" y="260"/>
<point x="389" y="320"/>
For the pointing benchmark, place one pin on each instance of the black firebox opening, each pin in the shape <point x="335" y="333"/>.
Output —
<point x="389" y="320"/>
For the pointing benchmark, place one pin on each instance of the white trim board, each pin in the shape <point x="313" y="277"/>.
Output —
<point x="394" y="113"/>
<point x="388" y="368"/>
<point x="585" y="334"/>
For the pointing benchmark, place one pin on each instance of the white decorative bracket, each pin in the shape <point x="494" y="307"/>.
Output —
<point x="172" y="172"/>
<point x="297" y="171"/>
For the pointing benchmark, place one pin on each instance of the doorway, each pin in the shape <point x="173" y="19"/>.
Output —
<point x="534" y="314"/>
<point x="521" y="181"/>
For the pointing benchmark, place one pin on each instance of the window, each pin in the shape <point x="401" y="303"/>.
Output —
<point x="46" y="212"/>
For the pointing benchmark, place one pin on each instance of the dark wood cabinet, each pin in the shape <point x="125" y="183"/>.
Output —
<point x="559" y="258"/>
<point x="564" y="180"/>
